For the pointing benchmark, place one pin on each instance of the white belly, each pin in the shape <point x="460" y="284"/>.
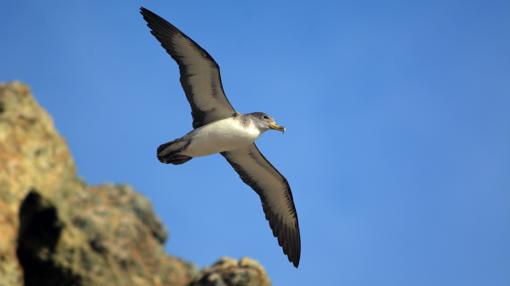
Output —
<point x="219" y="136"/>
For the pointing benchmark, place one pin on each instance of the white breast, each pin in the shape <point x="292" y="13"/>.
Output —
<point x="222" y="135"/>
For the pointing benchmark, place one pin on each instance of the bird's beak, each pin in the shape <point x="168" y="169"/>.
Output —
<point x="275" y="126"/>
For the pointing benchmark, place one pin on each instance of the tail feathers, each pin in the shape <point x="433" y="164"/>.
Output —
<point x="168" y="153"/>
<point x="175" y="159"/>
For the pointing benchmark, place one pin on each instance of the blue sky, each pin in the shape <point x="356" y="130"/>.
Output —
<point x="398" y="142"/>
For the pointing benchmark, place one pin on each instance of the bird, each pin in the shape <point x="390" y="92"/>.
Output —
<point x="219" y="128"/>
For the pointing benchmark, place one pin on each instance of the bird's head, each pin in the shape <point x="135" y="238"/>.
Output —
<point x="266" y="122"/>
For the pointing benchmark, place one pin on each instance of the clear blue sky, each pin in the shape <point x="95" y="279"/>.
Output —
<point x="398" y="118"/>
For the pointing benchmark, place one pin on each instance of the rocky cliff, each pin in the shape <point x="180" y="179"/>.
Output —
<point x="57" y="230"/>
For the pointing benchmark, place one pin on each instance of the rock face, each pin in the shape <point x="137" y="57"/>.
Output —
<point x="57" y="230"/>
<point x="227" y="271"/>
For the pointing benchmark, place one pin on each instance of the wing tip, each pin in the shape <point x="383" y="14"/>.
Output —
<point x="294" y="255"/>
<point x="288" y="237"/>
<point x="289" y="240"/>
<point x="147" y="15"/>
<point x="152" y="18"/>
<point x="145" y="12"/>
<point x="293" y="250"/>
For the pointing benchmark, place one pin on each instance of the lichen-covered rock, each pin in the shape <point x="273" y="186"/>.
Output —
<point x="101" y="240"/>
<point x="57" y="230"/>
<point x="231" y="272"/>
<point x="32" y="156"/>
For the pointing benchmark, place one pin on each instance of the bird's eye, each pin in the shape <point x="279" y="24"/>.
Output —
<point x="265" y="117"/>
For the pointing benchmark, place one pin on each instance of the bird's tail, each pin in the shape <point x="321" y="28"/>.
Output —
<point x="168" y="153"/>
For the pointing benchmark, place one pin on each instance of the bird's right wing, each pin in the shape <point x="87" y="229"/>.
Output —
<point x="274" y="191"/>
<point x="200" y="74"/>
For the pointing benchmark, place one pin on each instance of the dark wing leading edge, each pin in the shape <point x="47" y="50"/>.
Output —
<point x="200" y="74"/>
<point x="274" y="191"/>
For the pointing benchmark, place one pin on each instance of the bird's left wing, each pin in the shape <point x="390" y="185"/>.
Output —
<point x="200" y="74"/>
<point x="274" y="191"/>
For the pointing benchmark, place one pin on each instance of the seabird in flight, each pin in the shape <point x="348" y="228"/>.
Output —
<point x="218" y="128"/>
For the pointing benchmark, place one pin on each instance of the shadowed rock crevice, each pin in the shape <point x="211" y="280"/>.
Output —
<point x="39" y="232"/>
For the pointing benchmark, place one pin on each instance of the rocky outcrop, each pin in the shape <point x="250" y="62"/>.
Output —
<point x="57" y="230"/>
<point x="228" y="271"/>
